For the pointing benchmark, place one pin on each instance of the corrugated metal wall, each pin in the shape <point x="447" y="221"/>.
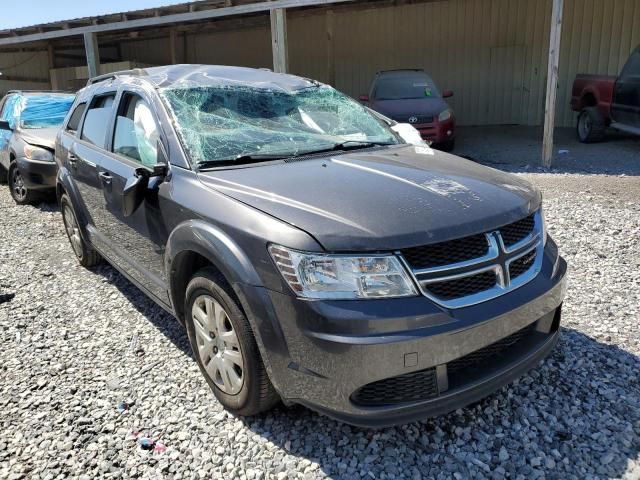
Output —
<point x="24" y="64"/>
<point x="492" y="53"/>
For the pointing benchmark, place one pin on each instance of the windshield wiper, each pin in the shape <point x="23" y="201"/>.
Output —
<point x="240" y="160"/>
<point x="346" y="145"/>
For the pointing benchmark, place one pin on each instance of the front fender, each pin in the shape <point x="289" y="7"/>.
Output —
<point x="214" y="245"/>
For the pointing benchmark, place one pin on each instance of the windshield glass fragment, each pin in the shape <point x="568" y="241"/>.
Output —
<point x="222" y="123"/>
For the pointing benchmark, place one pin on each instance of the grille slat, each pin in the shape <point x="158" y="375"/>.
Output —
<point x="480" y="358"/>
<point x="522" y="264"/>
<point x="420" y="118"/>
<point x="410" y="387"/>
<point x="517" y="231"/>
<point x="462" y="287"/>
<point x="445" y="253"/>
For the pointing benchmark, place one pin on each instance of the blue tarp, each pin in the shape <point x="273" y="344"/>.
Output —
<point x="42" y="111"/>
<point x="37" y="111"/>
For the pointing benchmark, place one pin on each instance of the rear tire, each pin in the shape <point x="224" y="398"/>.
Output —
<point x="19" y="191"/>
<point x="591" y="126"/>
<point x="85" y="253"/>
<point x="224" y="346"/>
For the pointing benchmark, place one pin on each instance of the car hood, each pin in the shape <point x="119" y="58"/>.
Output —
<point x="385" y="199"/>
<point x="401" y="110"/>
<point x="42" y="137"/>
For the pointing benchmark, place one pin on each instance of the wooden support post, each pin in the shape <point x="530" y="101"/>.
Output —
<point x="331" y="64"/>
<point x="552" y="82"/>
<point x="93" y="54"/>
<point x="173" y="40"/>
<point x="279" y="40"/>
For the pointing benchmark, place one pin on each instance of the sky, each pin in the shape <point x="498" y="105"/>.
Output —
<point x="32" y="12"/>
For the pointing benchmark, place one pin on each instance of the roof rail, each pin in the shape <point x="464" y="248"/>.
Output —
<point x="134" y="72"/>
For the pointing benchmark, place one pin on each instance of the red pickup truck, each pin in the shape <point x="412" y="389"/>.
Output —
<point x="608" y="101"/>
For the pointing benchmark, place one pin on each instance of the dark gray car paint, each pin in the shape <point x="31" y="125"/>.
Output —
<point x="386" y="199"/>
<point x="377" y="200"/>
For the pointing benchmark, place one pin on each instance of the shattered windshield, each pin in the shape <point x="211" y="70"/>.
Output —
<point x="43" y="111"/>
<point x="222" y="123"/>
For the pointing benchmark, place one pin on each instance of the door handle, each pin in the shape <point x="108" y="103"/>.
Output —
<point x="105" y="177"/>
<point x="72" y="159"/>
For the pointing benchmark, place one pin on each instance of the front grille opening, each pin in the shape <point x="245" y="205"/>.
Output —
<point x="490" y="355"/>
<point x="517" y="231"/>
<point x="410" y="387"/>
<point x="462" y="287"/>
<point x="445" y="253"/>
<point x="522" y="264"/>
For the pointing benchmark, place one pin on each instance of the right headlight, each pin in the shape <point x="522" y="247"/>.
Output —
<point x="323" y="276"/>
<point x="445" y="115"/>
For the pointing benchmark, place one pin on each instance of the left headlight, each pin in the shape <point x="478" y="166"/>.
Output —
<point x="37" y="153"/>
<point x="315" y="275"/>
<point x="445" y="115"/>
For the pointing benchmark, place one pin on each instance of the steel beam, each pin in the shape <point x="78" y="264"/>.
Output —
<point x="93" y="53"/>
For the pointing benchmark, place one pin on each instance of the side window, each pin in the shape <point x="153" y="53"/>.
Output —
<point x="96" y="122"/>
<point x="76" y="116"/>
<point x="10" y="109"/>
<point x="136" y="134"/>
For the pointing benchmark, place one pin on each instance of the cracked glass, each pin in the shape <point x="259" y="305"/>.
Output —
<point x="219" y="123"/>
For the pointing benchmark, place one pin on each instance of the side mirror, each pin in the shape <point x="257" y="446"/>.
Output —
<point x="447" y="93"/>
<point x="133" y="193"/>
<point x="4" y="125"/>
<point x="363" y="98"/>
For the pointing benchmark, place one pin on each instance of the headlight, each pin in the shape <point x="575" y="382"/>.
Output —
<point x="36" y="153"/>
<point x="315" y="275"/>
<point x="445" y="115"/>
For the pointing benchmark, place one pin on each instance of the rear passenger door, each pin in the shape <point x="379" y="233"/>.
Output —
<point x="138" y="240"/>
<point x="626" y="97"/>
<point x="84" y="155"/>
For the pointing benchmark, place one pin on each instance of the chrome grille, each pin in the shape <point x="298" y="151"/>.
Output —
<point x="474" y="269"/>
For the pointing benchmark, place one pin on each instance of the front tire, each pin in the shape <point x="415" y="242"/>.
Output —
<point x="591" y="126"/>
<point x="224" y="346"/>
<point x="85" y="253"/>
<point x="19" y="191"/>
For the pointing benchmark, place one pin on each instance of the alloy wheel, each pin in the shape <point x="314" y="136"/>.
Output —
<point x="218" y="346"/>
<point x="17" y="185"/>
<point x="73" y="231"/>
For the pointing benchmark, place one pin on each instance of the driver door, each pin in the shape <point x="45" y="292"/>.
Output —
<point x="139" y="239"/>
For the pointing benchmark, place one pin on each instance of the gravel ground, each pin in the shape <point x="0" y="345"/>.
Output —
<point x="77" y="343"/>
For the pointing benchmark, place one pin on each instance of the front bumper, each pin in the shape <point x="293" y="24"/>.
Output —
<point x="37" y="175"/>
<point x="437" y="132"/>
<point x="323" y="353"/>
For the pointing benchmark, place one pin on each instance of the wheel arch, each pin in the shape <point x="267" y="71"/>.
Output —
<point x="195" y="244"/>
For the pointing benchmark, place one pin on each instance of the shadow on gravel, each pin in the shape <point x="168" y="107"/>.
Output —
<point x="163" y="321"/>
<point x="575" y="414"/>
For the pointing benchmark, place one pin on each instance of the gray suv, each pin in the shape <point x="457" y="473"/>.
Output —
<point x="313" y="256"/>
